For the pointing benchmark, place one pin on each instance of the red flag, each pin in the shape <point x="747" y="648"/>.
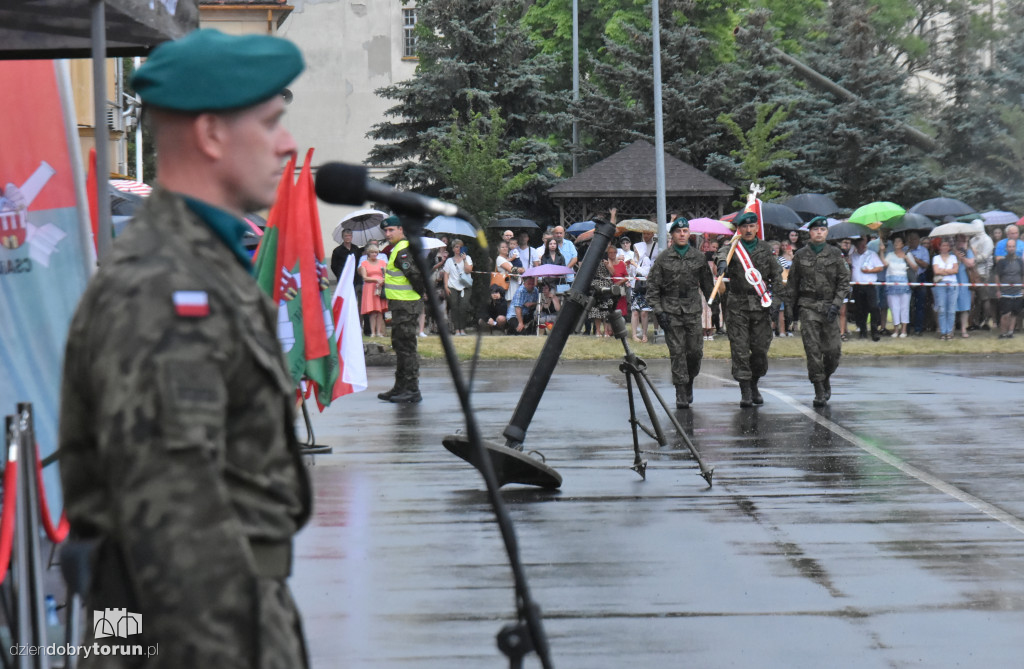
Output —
<point x="300" y="245"/>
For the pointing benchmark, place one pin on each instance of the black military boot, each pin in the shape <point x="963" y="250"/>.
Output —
<point x="819" y="394"/>
<point x="755" y="394"/>
<point x="689" y="391"/>
<point x="681" y="400"/>
<point x="388" y="394"/>
<point x="406" y="397"/>
<point x="828" y="388"/>
<point x="745" y="399"/>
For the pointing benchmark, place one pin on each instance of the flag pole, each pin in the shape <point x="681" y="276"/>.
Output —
<point x="728" y="259"/>
<point x="755" y="190"/>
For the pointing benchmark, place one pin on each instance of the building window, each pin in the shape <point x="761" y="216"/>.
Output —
<point x="409" y="32"/>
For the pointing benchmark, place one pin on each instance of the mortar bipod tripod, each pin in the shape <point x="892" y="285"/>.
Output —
<point x="635" y="370"/>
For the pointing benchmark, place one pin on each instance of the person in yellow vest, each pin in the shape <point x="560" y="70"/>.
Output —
<point x="404" y="289"/>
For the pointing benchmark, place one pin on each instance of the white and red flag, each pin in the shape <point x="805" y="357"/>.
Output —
<point x="349" y="331"/>
<point x="754" y="205"/>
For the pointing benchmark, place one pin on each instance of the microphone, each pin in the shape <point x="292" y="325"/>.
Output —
<point x="339" y="183"/>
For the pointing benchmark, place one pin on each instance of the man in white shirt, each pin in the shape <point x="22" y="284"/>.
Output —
<point x="865" y="266"/>
<point x="647" y="247"/>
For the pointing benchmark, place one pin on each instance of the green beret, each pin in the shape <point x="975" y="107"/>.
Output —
<point x="679" y="223"/>
<point x="391" y="222"/>
<point x="744" y="218"/>
<point x="817" y="222"/>
<point x="209" y="71"/>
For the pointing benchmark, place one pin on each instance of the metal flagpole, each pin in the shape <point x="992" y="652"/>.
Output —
<point x="659" y="135"/>
<point x="101" y="135"/>
<point x="575" y="78"/>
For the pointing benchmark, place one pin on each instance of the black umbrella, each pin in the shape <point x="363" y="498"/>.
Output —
<point x="780" y="216"/>
<point x="909" y="221"/>
<point x="813" y="204"/>
<point x="776" y="215"/>
<point x="846" y="231"/>
<point x="511" y="223"/>
<point x="937" y="207"/>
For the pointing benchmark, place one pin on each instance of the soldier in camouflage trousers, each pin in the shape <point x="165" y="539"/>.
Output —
<point x="819" y="280"/>
<point x="182" y="477"/>
<point x="404" y="288"/>
<point x="674" y="285"/>
<point x="747" y="322"/>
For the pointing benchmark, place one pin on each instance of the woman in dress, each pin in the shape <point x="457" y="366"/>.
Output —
<point x="611" y="271"/>
<point x="944" y="270"/>
<point x="552" y="256"/>
<point x="374" y="304"/>
<point x="640" y="309"/>
<point x="504" y="266"/>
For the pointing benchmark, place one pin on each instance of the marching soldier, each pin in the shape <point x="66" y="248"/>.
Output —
<point x="182" y="477"/>
<point x="748" y="316"/>
<point x="819" y="280"/>
<point x="404" y="288"/>
<point x="674" y="285"/>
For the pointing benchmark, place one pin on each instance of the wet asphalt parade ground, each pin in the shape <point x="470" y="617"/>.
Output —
<point x="885" y="530"/>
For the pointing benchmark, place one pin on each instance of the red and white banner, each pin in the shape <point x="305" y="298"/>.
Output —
<point x="753" y="275"/>
<point x="345" y="309"/>
<point x="754" y="205"/>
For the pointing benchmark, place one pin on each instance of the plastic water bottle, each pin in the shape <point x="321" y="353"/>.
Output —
<point x="51" y="612"/>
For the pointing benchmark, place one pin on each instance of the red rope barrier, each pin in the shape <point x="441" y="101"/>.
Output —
<point x="7" y="517"/>
<point x="56" y="534"/>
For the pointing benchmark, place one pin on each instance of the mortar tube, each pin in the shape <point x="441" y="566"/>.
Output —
<point x="573" y="304"/>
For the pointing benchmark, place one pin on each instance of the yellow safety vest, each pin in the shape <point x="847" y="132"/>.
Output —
<point x="396" y="284"/>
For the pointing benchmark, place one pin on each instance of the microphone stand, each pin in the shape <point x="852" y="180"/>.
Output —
<point x="527" y="634"/>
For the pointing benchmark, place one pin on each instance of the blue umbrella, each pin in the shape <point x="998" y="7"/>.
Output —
<point x="582" y="226"/>
<point x="451" y="226"/>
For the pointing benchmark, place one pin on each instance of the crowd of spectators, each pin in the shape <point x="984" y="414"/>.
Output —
<point x="971" y="283"/>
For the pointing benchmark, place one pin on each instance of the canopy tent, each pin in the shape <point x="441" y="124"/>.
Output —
<point x="61" y="29"/>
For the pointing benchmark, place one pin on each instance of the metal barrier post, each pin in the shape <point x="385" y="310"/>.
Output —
<point x="34" y="588"/>
<point x="21" y="628"/>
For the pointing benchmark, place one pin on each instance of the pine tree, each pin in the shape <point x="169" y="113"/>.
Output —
<point x="474" y="56"/>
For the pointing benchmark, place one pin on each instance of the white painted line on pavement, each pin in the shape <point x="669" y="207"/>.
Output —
<point x="988" y="509"/>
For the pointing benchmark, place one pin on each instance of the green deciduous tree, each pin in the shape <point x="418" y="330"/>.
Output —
<point x="475" y="168"/>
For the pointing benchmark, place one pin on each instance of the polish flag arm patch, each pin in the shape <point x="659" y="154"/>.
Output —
<point x="191" y="303"/>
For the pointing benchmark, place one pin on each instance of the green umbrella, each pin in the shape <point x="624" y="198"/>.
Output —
<point x="876" y="212"/>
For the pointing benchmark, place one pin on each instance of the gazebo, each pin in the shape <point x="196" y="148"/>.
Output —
<point x="626" y="180"/>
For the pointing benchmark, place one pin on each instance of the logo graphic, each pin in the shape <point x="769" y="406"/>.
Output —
<point x="116" y="622"/>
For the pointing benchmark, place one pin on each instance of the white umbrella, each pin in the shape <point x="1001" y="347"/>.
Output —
<point x="364" y="224"/>
<point x="957" y="228"/>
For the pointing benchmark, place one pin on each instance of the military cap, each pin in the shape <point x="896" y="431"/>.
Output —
<point x="679" y="223"/>
<point x="744" y="218"/>
<point x="209" y="71"/>
<point x="817" y="222"/>
<point x="391" y="222"/>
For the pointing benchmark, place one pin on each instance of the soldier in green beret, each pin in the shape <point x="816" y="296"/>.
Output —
<point x="819" y="281"/>
<point x="674" y="285"/>
<point x="747" y="319"/>
<point x="179" y="461"/>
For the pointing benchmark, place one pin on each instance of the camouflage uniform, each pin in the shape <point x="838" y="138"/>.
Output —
<point x="816" y="282"/>
<point x="747" y="323"/>
<point x="405" y="326"/>
<point x="672" y="288"/>
<point x="178" y="455"/>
